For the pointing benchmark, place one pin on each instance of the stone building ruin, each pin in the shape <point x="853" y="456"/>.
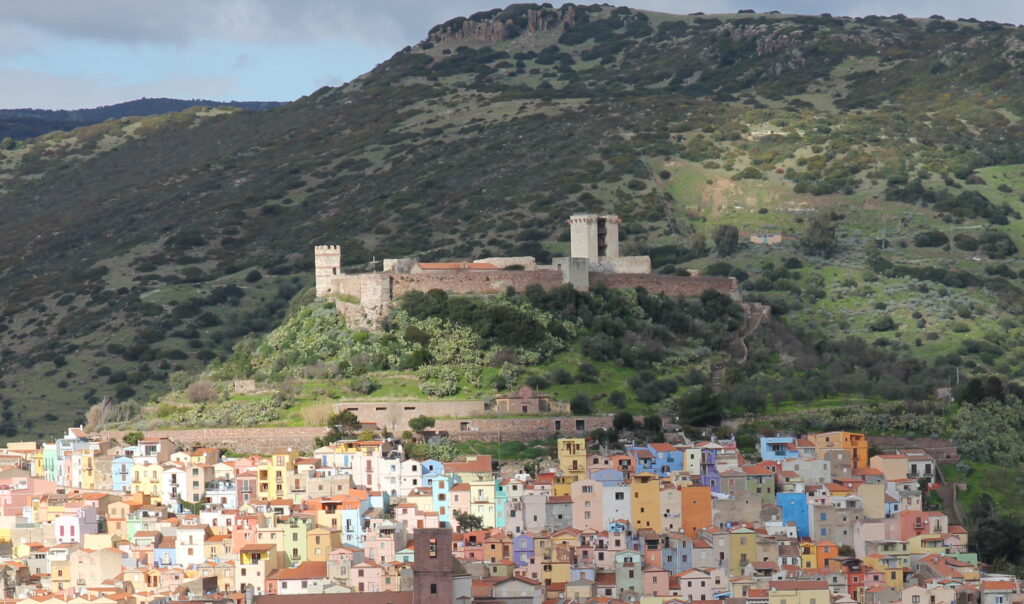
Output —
<point x="366" y="298"/>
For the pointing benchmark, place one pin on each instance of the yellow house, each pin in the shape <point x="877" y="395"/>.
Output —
<point x="742" y="549"/>
<point x="483" y="500"/>
<point x="893" y="467"/>
<point x="646" y="504"/>
<point x="320" y="542"/>
<point x="562" y="485"/>
<point x="798" y="592"/>
<point x="926" y="544"/>
<point x="891" y="568"/>
<point x="808" y="554"/>
<point x="273" y="473"/>
<point x="146" y="480"/>
<point x="422" y="498"/>
<point x="572" y="457"/>
<point x="556" y="567"/>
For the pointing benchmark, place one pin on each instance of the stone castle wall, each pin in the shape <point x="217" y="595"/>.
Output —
<point x="669" y="285"/>
<point x="473" y="282"/>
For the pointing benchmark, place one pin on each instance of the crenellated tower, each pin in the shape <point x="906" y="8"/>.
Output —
<point x="327" y="262"/>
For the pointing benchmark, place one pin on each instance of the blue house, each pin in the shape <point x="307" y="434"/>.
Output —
<point x="522" y="549"/>
<point x="441" y="493"/>
<point x="582" y="573"/>
<point x="677" y="554"/>
<point x="709" y="476"/>
<point x="778" y="448"/>
<point x="121" y="470"/>
<point x="608" y="477"/>
<point x="431" y="468"/>
<point x="165" y="553"/>
<point x="658" y="458"/>
<point x="795" y="510"/>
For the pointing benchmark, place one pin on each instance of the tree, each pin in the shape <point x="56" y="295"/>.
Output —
<point x="727" y="239"/>
<point x="343" y="425"/>
<point x="193" y="507"/>
<point x="468" y="522"/>
<point x="133" y="438"/>
<point x="819" y="239"/>
<point x="580" y="404"/>
<point x="623" y="420"/>
<point x="8" y="143"/>
<point x="422" y="423"/>
<point x="699" y="407"/>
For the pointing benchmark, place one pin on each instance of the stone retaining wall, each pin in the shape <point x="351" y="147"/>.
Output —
<point x="265" y="440"/>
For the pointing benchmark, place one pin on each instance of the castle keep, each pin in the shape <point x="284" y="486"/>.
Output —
<point x="366" y="298"/>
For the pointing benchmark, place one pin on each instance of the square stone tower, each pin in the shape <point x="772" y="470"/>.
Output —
<point x="434" y="569"/>
<point x="327" y="263"/>
<point x="594" y="237"/>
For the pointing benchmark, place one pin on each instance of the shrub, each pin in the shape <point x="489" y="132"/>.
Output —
<point x="931" y="238"/>
<point x="363" y="384"/>
<point x="201" y="392"/>
<point x="883" y="323"/>
<point x="587" y="373"/>
<point x="580" y="404"/>
<point x="749" y="173"/>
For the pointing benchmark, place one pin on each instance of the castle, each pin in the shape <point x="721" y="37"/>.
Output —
<point x="366" y="298"/>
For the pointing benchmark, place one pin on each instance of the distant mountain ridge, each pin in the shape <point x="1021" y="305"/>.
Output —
<point x="28" y="123"/>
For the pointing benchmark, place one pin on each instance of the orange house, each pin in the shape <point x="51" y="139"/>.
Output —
<point x="855" y="443"/>
<point x="826" y="550"/>
<point x="696" y="509"/>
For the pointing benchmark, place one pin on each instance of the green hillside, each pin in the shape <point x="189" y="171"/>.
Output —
<point x="137" y="249"/>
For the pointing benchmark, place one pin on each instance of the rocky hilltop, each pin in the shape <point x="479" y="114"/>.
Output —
<point x="500" y="25"/>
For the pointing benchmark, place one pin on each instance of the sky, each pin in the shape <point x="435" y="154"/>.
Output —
<point x="67" y="54"/>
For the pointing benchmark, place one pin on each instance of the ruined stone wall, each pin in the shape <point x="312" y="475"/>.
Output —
<point x="473" y="282"/>
<point x="668" y="284"/>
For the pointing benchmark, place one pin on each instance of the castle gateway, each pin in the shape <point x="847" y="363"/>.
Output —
<point x="366" y="298"/>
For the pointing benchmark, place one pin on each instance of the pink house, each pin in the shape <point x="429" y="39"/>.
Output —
<point x="699" y="584"/>
<point x="587" y="504"/>
<point x="656" y="581"/>
<point x="366" y="577"/>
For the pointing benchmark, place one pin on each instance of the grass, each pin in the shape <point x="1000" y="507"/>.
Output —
<point x="509" y="451"/>
<point x="1003" y="485"/>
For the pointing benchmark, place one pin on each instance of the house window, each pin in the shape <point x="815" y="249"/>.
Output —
<point x="433" y="588"/>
